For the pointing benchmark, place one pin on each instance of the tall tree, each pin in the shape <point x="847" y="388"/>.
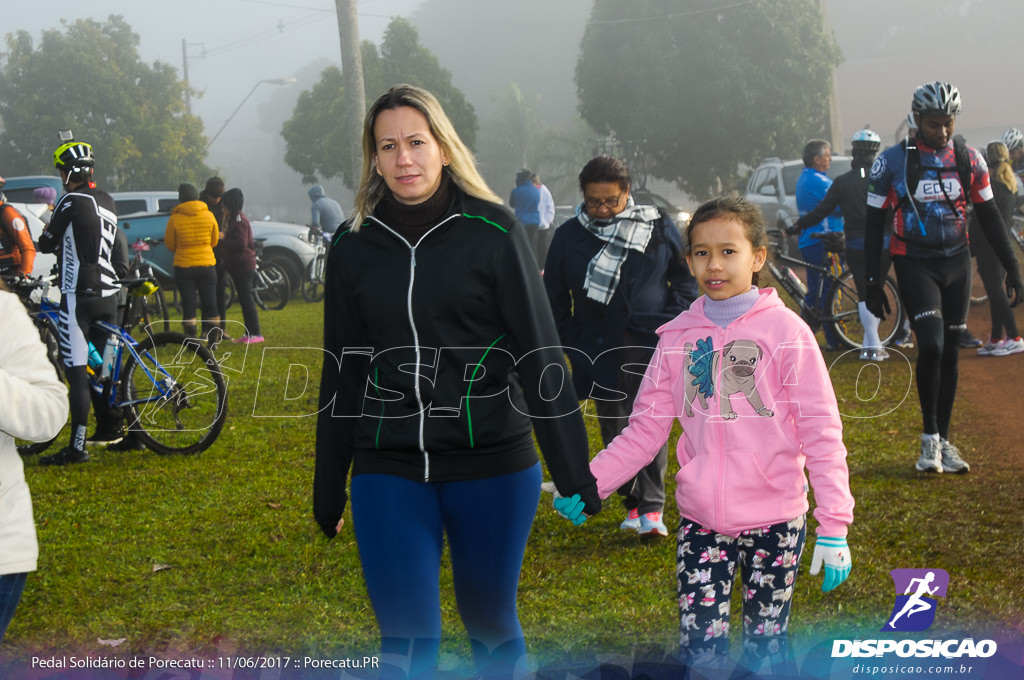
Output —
<point x="316" y="146"/>
<point x="700" y="87"/>
<point x="91" y="80"/>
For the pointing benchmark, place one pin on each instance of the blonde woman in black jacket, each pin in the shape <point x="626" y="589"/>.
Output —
<point x="443" y="362"/>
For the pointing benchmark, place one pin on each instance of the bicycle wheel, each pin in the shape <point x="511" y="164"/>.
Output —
<point x="844" y="312"/>
<point x="276" y="291"/>
<point x="49" y="338"/>
<point x="175" y="393"/>
<point x="313" y="285"/>
<point x="230" y="292"/>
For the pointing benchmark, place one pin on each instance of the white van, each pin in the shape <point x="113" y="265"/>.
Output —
<point x="131" y="203"/>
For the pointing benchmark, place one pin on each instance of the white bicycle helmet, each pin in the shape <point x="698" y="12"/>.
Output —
<point x="937" y="97"/>
<point x="866" y="140"/>
<point x="1013" y="139"/>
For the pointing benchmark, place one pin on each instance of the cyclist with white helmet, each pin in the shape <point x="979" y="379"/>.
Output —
<point x="931" y="181"/>
<point x="82" y="231"/>
<point x="849" y="193"/>
<point x="1014" y="141"/>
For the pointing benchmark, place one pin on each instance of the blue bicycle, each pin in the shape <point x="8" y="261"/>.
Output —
<point x="169" y="386"/>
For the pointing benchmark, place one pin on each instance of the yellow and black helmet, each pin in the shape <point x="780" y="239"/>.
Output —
<point x="73" y="156"/>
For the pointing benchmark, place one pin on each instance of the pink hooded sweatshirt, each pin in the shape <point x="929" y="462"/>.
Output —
<point x="756" y="406"/>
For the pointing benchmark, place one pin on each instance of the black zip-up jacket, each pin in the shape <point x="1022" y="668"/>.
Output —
<point x="442" y="359"/>
<point x="849" y="193"/>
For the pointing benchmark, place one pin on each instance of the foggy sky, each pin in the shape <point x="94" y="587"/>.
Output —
<point x="888" y="48"/>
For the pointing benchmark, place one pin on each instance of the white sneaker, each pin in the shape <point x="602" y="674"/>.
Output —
<point x="990" y="347"/>
<point x="951" y="460"/>
<point x="1008" y="346"/>
<point x="871" y="354"/>
<point x="931" y="456"/>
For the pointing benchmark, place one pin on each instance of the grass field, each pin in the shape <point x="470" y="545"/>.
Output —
<point x="218" y="551"/>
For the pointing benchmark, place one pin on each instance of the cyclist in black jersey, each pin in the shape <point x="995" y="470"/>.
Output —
<point x="848" y="193"/>
<point x="921" y="180"/>
<point x="82" y="232"/>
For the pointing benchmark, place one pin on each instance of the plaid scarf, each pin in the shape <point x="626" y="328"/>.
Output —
<point x="631" y="229"/>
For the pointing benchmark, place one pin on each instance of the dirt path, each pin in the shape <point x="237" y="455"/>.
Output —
<point x="990" y="401"/>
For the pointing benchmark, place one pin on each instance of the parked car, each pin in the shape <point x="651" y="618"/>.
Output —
<point x="285" y="244"/>
<point x="131" y="203"/>
<point x="19" y="189"/>
<point x="772" y="186"/>
<point x="675" y="213"/>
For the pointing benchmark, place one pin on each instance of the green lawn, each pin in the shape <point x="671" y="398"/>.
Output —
<point x="218" y="551"/>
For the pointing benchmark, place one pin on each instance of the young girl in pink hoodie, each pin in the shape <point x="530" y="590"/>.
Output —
<point x="744" y="377"/>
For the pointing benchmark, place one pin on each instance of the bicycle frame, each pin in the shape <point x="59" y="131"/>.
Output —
<point x="163" y="384"/>
<point x="49" y="310"/>
<point x="825" y="276"/>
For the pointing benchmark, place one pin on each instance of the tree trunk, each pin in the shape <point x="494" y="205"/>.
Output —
<point x="355" y="95"/>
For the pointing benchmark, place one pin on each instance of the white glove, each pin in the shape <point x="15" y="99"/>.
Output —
<point x="835" y="553"/>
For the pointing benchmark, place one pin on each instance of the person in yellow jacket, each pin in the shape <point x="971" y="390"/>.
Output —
<point x="191" y="234"/>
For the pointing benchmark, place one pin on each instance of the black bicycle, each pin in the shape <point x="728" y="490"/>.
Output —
<point x="148" y="304"/>
<point x="835" y="286"/>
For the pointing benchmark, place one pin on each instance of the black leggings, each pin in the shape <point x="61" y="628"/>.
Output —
<point x="993" y="277"/>
<point x="936" y="293"/>
<point x="250" y="314"/>
<point x="857" y="263"/>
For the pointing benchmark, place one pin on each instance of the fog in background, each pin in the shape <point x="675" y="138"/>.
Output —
<point x="231" y="45"/>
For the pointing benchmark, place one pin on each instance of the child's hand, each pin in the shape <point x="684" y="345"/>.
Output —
<point x="570" y="508"/>
<point x="835" y="553"/>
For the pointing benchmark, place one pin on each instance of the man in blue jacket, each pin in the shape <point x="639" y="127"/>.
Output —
<point x="615" y="273"/>
<point x="811" y="188"/>
<point x="525" y="201"/>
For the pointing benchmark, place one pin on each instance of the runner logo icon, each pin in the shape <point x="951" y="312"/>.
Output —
<point x="916" y="593"/>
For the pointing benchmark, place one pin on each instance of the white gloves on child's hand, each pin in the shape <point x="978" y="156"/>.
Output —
<point x="835" y="553"/>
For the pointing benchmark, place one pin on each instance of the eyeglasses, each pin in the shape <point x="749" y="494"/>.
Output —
<point x="594" y="203"/>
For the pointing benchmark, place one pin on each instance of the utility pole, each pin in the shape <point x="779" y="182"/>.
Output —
<point x="184" y="70"/>
<point x="352" y="72"/>
<point x="833" y="126"/>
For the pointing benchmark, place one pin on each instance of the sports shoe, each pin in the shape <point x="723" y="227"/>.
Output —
<point x="104" y="437"/>
<point x="65" y="456"/>
<point x="1008" y="346"/>
<point x="905" y="340"/>
<point x="651" y="525"/>
<point x="248" y="339"/>
<point x="869" y="354"/>
<point x="967" y="340"/>
<point x="632" y="521"/>
<point x="990" y="347"/>
<point x="931" y="455"/>
<point x="548" y="487"/>
<point x="951" y="460"/>
<point x="129" y="443"/>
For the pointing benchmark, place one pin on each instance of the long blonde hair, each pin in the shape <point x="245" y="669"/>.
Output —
<point x="461" y="164"/>
<point x="999" y="163"/>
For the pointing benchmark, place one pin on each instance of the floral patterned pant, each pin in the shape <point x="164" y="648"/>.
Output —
<point x="706" y="567"/>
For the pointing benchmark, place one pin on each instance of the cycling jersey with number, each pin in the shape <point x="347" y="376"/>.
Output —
<point x="932" y="223"/>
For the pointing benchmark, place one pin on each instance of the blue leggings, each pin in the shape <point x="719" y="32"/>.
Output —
<point x="400" y="525"/>
<point x="11" y="587"/>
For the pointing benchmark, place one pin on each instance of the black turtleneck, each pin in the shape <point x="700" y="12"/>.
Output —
<point x="412" y="221"/>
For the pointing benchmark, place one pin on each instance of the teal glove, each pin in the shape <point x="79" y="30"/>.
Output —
<point x="570" y="508"/>
<point x="835" y="553"/>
